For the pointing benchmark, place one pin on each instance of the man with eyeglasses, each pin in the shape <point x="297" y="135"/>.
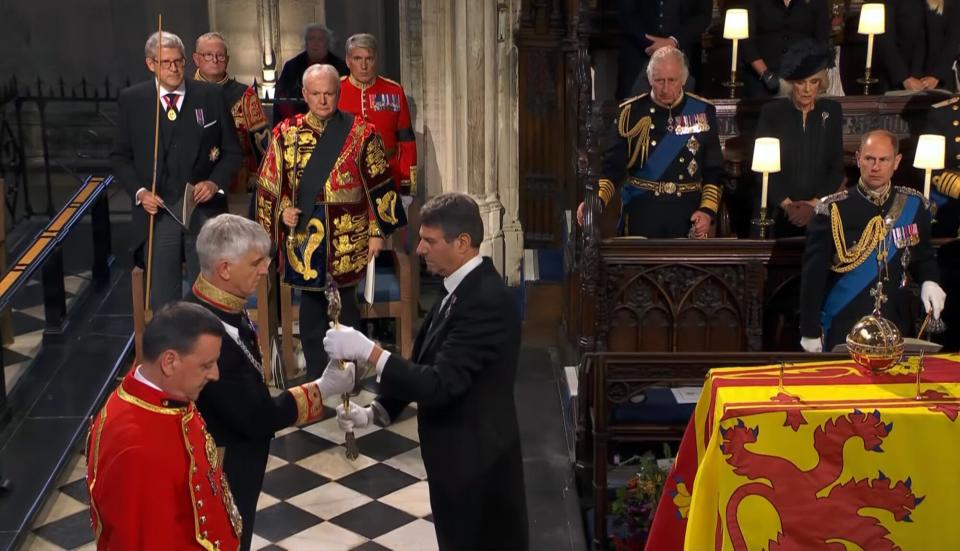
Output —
<point x="196" y="144"/>
<point x="253" y="130"/>
<point x="840" y="257"/>
<point x="289" y="90"/>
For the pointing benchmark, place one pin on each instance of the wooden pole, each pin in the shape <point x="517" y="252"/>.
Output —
<point x="156" y="147"/>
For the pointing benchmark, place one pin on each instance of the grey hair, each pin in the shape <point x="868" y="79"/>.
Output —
<point x="663" y="53"/>
<point x="229" y="237"/>
<point x="318" y="69"/>
<point x="212" y="35"/>
<point x="170" y="40"/>
<point x="318" y="27"/>
<point x="362" y="40"/>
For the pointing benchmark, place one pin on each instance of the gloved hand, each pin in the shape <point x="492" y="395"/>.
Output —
<point x="771" y="81"/>
<point x="346" y="343"/>
<point x="932" y="297"/>
<point x="336" y="381"/>
<point x="358" y="417"/>
<point x="811" y="345"/>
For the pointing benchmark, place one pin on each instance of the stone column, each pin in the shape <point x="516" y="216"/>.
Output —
<point x="468" y="123"/>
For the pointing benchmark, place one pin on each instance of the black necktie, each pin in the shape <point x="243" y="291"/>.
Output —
<point x="442" y="309"/>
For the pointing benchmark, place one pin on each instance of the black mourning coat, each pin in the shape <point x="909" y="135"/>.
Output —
<point x="201" y="144"/>
<point x="241" y="415"/>
<point x="919" y="42"/>
<point x="811" y="155"/>
<point x="775" y="27"/>
<point x="818" y="278"/>
<point x="461" y="375"/>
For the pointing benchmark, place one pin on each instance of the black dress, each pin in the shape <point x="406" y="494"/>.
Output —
<point x="811" y="156"/>
<point x="773" y="29"/>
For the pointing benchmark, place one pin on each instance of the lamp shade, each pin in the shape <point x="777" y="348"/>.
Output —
<point x="871" y="19"/>
<point x="930" y="152"/>
<point x="735" y="25"/>
<point x="766" y="155"/>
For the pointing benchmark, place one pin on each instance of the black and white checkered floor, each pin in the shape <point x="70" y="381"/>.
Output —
<point x="313" y="497"/>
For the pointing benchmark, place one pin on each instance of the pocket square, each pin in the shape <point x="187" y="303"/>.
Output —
<point x="209" y="124"/>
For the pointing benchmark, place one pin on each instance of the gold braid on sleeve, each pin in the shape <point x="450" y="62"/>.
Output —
<point x="849" y="259"/>
<point x="638" y="137"/>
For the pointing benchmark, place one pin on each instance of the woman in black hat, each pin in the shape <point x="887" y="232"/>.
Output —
<point x="811" y="140"/>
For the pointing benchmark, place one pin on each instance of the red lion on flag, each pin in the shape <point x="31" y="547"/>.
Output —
<point x="794" y="492"/>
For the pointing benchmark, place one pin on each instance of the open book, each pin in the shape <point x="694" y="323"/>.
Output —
<point x="187" y="206"/>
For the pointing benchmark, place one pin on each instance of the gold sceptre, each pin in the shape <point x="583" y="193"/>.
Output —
<point x="333" y="313"/>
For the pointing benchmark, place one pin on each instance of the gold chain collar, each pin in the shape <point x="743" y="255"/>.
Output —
<point x="315" y="123"/>
<point x="877" y="197"/>
<point x="215" y="296"/>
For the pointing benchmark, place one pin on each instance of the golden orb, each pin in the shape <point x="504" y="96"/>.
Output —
<point x="875" y="343"/>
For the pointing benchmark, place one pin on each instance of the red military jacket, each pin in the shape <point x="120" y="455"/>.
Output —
<point x="385" y="105"/>
<point x="155" y="479"/>
<point x="336" y="173"/>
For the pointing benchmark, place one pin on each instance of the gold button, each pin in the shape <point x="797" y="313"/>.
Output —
<point x="654" y="142"/>
<point x="203" y="519"/>
<point x="194" y="468"/>
<point x="956" y="123"/>
<point x="680" y="177"/>
<point x="681" y="159"/>
<point x="958" y="157"/>
<point x="199" y="503"/>
<point x="652" y="126"/>
<point x="955" y="107"/>
<point x="204" y="534"/>
<point x="652" y="110"/>
<point x="197" y="487"/>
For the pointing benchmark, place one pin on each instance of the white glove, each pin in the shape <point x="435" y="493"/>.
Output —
<point x="336" y="381"/>
<point x="811" y="345"/>
<point x="358" y="418"/>
<point x="346" y="343"/>
<point x="932" y="297"/>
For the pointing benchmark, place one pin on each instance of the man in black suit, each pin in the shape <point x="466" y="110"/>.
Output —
<point x="461" y="375"/>
<point x="289" y="90"/>
<point x="649" y="26"/>
<point x="919" y="44"/>
<point x="239" y="410"/>
<point x="197" y="145"/>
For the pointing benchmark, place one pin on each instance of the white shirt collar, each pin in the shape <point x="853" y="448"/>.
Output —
<point x="180" y="91"/>
<point x="453" y="280"/>
<point x="139" y="376"/>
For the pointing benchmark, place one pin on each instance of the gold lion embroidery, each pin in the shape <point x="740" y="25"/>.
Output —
<point x="376" y="161"/>
<point x="346" y="244"/>
<point x="294" y="241"/>
<point x="346" y="223"/>
<point x="387" y="207"/>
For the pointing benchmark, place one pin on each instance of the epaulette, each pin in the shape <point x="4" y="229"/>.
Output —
<point x="696" y="97"/>
<point x="824" y="204"/>
<point x="946" y="102"/>
<point x="391" y="81"/>
<point x="631" y="100"/>
<point x="910" y="191"/>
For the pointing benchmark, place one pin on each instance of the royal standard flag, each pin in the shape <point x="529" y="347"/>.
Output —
<point x="836" y="458"/>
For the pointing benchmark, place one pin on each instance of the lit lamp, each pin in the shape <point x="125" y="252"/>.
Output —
<point x="735" y="27"/>
<point x="871" y="23"/>
<point x="929" y="157"/>
<point x="766" y="160"/>
<point x="269" y="71"/>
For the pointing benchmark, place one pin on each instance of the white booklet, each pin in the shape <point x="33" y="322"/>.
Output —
<point x="369" y="286"/>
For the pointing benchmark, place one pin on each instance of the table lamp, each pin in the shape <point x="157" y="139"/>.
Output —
<point x="766" y="160"/>
<point x="871" y="23"/>
<point x="736" y="28"/>
<point x="929" y="157"/>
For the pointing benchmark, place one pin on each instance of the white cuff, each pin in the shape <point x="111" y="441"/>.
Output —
<point x="384" y="356"/>
<point x="136" y="196"/>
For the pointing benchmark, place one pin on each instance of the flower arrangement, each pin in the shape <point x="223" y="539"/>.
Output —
<point x="635" y="505"/>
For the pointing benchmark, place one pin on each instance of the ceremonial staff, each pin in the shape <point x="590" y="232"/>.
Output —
<point x="156" y="146"/>
<point x="333" y="312"/>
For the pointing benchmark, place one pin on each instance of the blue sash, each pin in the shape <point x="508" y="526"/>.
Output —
<point x="938" y="198"/>
<point x="657" y="163"/>
<point x="853" y="282"/>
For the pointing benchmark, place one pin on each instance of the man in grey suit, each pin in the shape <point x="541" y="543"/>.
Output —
<point x="197" y="145"/>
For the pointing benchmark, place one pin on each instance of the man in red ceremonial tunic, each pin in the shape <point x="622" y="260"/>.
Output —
<point x="327" y="200"/>
<point x="381" y="101"/>
<point x="153" y="471"/>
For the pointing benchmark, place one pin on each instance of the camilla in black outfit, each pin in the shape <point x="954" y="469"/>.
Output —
<point x="811" y="141"/>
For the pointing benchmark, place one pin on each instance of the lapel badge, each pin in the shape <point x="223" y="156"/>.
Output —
<point x="214" y="154"/>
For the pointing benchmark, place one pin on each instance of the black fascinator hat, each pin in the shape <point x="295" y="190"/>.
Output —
<point x="804" y="59"/>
